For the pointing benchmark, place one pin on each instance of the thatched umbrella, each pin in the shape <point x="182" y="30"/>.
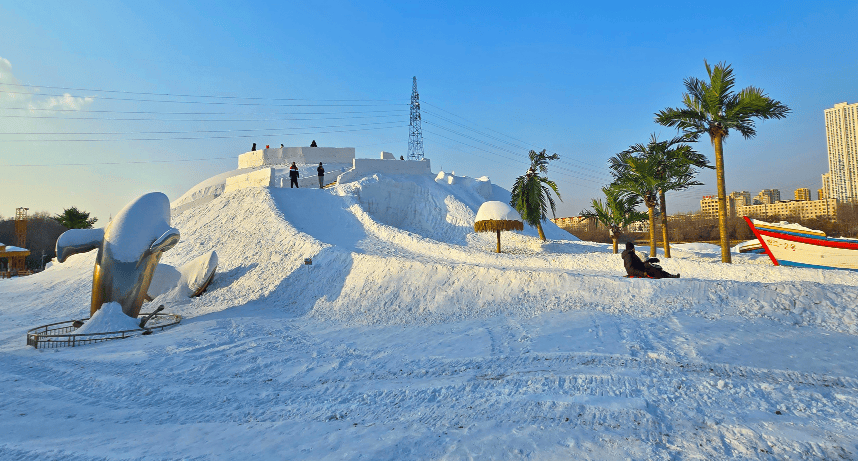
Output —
<point x="497" y="216"/>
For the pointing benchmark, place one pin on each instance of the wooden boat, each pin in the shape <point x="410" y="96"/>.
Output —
<point x="751" y="246"/>
<point x="793" y="245"/>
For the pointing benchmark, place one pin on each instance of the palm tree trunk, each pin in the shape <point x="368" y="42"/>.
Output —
<point x="498" y="240"/>
<point x="541" y="234"/>
<point x="615" y="245"/>
<point x="664" y="224"/>
<point x="651" y="210"/>
<point x="722" y="198"/>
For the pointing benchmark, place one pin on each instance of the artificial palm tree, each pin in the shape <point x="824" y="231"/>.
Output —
<point x="531" y="193"/>
<point x="638" y="176"/>
<point x="676" y="168"/>
<point x="616" y="213"/>
<point x="713" y="107"/>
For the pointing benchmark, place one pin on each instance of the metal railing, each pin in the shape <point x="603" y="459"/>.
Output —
<point x="59" y="334"/>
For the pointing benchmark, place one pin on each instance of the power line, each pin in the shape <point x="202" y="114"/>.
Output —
<point x="141" y="93"/>
<point x="199" y="113"/>
<point x="150" y="119"/>
<point x="134" y="162"/>
<point x="506" y="150"/>
<point x="214" y="103"/>
<point x="512" y="159"/>
<point x="461" y="125"/>
<point x="511" y="137"/>
<point x="117" y="133"/>
<point x="196" y="138"/>
<point x="463" y="118"/>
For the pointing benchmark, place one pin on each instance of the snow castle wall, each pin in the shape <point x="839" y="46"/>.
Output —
<point x="259" y="178"/>
<point x="364" y="166"/>
<point x="481" y="185"/>
<point x="299" y="155"/>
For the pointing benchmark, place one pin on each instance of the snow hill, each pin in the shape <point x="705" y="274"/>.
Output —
<point x="409" y="338"/>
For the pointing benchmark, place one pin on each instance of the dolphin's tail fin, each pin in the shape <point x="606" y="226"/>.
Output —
<point x="74" y="241"/>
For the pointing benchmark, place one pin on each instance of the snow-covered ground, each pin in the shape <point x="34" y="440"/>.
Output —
<point x="409" y="338"/>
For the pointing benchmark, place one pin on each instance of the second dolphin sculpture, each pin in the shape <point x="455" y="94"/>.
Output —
<point x="129" y="250"/>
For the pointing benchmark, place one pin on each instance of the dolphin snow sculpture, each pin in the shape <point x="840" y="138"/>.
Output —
<point x="129" y="249"/>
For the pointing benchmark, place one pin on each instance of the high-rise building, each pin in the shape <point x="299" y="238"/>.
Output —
<point x="841" y="133"/>
<point x="802" y="194"/>
<point x="742" y="198"/>
<point x="826" y="185"/>
<point x="767" y="197"/>
<point x="820" y="194"/>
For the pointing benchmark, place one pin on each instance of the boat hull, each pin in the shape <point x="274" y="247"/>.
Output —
<point x="800" y="248"/>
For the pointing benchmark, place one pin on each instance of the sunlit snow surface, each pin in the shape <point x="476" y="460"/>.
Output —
<point x="409" y="338"/>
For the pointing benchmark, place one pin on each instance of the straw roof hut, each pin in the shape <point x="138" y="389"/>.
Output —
<point x="497" y="217"/>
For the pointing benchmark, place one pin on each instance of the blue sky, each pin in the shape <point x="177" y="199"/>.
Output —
<point x="496" y="79"/>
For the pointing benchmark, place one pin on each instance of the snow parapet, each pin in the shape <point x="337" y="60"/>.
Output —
<point x="362" y="167"/>
<point x="299" y="155"/>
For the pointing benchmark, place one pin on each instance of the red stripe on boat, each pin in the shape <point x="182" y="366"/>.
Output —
<point x="762" y="242"/>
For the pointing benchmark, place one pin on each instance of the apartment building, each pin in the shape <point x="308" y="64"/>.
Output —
<point x="767" y="196"/>
<point x="826" y="187"/>
<point x="802" y="194"/>
<point x="841" y="133"/>
<point x="580" y="223"/>
<point x="709" y="206"/>
<point x="804" y="209"/>
<point x="742" y="198"/>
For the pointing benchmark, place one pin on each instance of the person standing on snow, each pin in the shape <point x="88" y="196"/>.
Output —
<point x="293" y="175"/>
<point x="321" y="171"/>
<point x="637" y="268"/>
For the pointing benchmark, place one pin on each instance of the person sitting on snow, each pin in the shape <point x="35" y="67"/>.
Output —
<point x="637" y="268"/>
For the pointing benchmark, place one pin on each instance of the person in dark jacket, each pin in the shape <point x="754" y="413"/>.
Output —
<point x="253" y="149"/>
<point x="293" y="175"/>
<point x="637" y="268"/>
<point x="321" y="171"/>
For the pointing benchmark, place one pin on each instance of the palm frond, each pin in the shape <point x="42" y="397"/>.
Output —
<point x="617" y="211"/>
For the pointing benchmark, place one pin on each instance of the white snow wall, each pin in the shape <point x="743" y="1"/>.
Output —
<point x="362" y="167"/>
<point x="299" y="155"/>
<point x="259" y="178"/>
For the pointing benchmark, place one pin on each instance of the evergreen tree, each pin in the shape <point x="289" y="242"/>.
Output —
<point x="73" y="218"/>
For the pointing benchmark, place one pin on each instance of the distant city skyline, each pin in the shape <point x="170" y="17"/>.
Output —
<point x="101" y="103"/>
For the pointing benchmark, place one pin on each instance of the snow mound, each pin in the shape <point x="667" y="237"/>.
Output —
<point x="107" y="319"/>
<point x="171" y="284"/>
<point x="402" y="250"/>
